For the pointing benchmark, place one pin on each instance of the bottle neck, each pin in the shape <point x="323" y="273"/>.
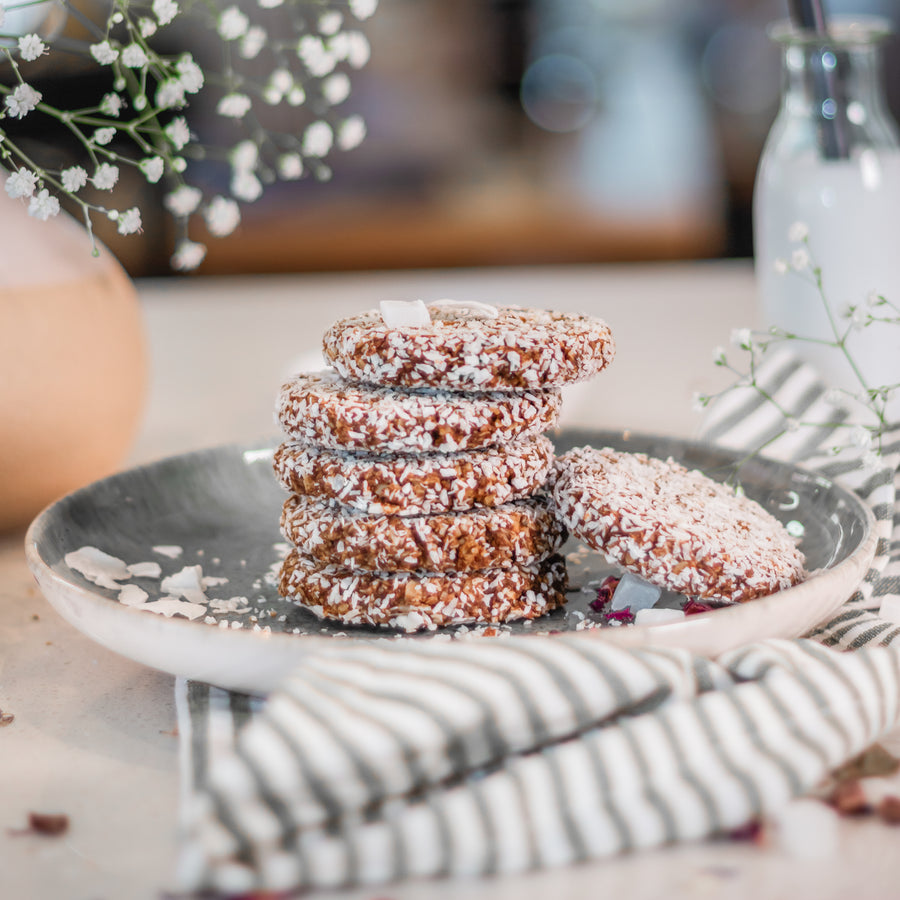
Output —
<point x="837" y="89"/>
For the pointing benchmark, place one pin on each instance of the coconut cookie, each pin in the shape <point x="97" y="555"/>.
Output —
<point x="411" y="601"/>
<point x="464" y="348"/>
<point x="517" y="533"/>
<point x="674" y="527"/>
<point x="415" y="484"/>
<point x="321" y="408"/>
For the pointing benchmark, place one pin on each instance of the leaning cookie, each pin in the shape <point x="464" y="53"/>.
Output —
<point x="674" y="527"/>
<point x="518" y="533"/>
<point x="412" y="483"/>
<point x="322" y="408"/>
<point x="411" y="601"/>
<point x="494" y="348"/>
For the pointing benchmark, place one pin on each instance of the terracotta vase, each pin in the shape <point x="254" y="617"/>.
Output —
<point x="72" y="361"/>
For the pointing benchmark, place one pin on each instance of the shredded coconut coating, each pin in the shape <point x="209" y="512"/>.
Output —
<point x="323" y="409"/>
<point x="674" y="527"/>
<point x="413" y="601"/>
<point x="517" y="533"/>
<point x="416" y="484"/>
<point x="519" y="349"/>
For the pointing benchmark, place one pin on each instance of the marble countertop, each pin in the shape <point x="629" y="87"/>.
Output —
<point x="94" y="735"/>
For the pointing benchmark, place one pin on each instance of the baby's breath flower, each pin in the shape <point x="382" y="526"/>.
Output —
<point x="282" y="80"/>
<point x="351" y="132"/>
<point x="183" y="200"/>
<point x="336" y="88"/>
<point x="21" y="183"/>
<point x="781" y="266"/>
<point x="222" y="216"/>
<point x="858" y="317"/>
<point x="315" y="56"/>
<point x="105" y="177"/>
<point x="330" y="22"/>
<point x="873" y="298"/>
<point x="799" y="259"/>
<point x="699" y="401"/>
<point x="363" y="9"/>
<point x="178" y="133"/>
<point x="104" y="53"/>
<point x="296" y="96"/>
<point x="799" y="231"/>
<point x="269" y="4"/>
<point x="244" y="156"/>
<point x="31" y="47"/>
<point x="103" y="136"/>
<point x="179" y="164"/>
<point x="147" y="27"/>
<point x="318" y="139"/>
<point x="129" y="221"/>
<point x="290" y="166"/>
<point x="234" y="106"/>
<point x="742" y="337"/>
<point x="134" y="57"/>
<point x="170" y="93"/>
<point x="152" y="168"/>
<point x="232" y="24"/>
<point x="352" y="47"/>
<point x="719" y="357"/>
<point x="246" y="186"/>
<point x="140" y="102"/>
<point x="188" y="255"/>
<point x="189" y="73"/>
<point x="861" y="437"/>
<point x="22" y="101"/>
<point x="111" y="105"/>
<point x="165" y="11"/>
<point x="253" y="42"/>
<point x="74" y="179"/>
<point x="43" y="205"/>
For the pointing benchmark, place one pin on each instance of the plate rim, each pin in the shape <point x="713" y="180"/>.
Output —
<point x="157" y="627"/>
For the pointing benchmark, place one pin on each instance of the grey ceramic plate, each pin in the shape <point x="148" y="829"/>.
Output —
<point x="221" y="508"/>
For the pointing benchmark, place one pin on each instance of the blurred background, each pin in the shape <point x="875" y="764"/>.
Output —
<point x="525" y="131"/>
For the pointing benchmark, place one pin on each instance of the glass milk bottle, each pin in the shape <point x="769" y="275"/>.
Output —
<point x="832" y="164"/>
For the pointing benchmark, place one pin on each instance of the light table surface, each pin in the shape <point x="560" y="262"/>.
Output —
<point x="94" y="734"/>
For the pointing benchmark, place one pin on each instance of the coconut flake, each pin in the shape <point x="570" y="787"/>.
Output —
<point x="403" y="313"/>
<point x="480" y="310"/>
<point x="99" y="567"/>
<point x="173" y="551"/>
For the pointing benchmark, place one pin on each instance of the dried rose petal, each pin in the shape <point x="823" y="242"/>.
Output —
<point x="604" y="593"/>
<point x="620" y="615"/>
<point x="692" y="607"/>
<point x="889" y="810"/>
<point x="48" y="823"/>
<point x="849" y="798"/>
<point x="753" y="831"/>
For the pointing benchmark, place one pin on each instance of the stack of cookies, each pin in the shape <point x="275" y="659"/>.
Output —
<point x="417" y="466"/>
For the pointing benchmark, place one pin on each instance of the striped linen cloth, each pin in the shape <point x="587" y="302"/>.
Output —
<point x="375" y="763"/>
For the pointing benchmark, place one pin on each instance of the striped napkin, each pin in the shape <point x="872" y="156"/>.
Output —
<point x="374" y="763"/>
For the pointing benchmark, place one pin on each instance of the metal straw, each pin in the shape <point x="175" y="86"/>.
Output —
<point x="833" y="133"/>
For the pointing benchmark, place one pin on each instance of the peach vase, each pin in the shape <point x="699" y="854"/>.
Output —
<point x="73" y="363"/>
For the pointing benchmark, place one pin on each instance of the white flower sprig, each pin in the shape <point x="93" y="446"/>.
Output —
<point x="144" y="120"/>
<point x="871" y="399"/>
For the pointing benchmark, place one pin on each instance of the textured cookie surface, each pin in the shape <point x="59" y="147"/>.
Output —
<point x="322" y="408"/>
<point x="516" y="349"/>
<point x="673" y="526"/>
<point x="413" y="601"/>
<point x="416" y="484"/>
<point x="517" y="533"/>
